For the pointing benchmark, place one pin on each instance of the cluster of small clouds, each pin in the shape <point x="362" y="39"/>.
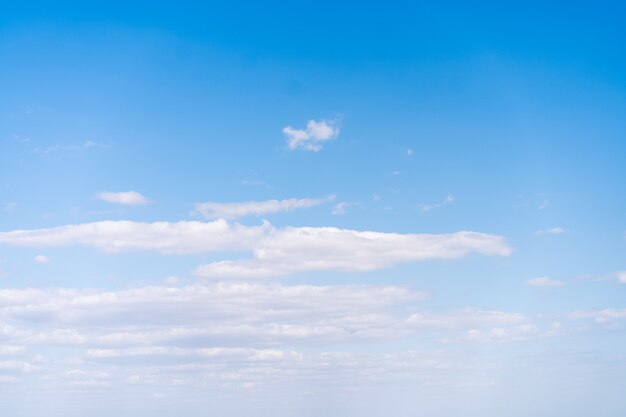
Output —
<point x="313" y="137"/>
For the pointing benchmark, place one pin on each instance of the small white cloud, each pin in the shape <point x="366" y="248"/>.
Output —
<point x="551" y="231"/>
<point x="544" y="282"/>
<point x="313" y="137"/>
<point x="621" y="277"/>
<point x="428" y="207"/>
<point x="42" y="259"/>
<point x="409" y="152"/>
<point x="543" y="205"/>
<point x="128" y="198"/>
<point x="213" y="210"/>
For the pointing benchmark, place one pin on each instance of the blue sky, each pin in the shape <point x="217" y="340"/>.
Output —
<point x="312" y="209"/>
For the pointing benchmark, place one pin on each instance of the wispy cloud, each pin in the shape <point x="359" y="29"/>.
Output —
<point x="551" y="231"/>
<point x="313" y="137"/>
<point x="431" y="206"/>
<point x="88" y="144"/>
<point x="340" y="208"/>
<point x="545" y="282"/>
<point x="229" y="211"/>
<point x="94" y="144"/>
<point x="127" y="198"/>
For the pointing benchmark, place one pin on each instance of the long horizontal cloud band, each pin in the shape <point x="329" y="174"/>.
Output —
<point x="276" y="251"/>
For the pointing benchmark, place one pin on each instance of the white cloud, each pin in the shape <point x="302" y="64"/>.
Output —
<point x="409" y="152"/>
<point x="128" y="198"/>
<point x="285" y="251"/>
<point x="126" y="236"/>
<point x="212" y="210"/>
<point x="313" y="137"/>
<point x="621" y="277"/>
<point x="545" y="282"/>
<point x="42" y="259"/>
<point x="551" y="231"/>
<point x="276" y="251"/>
<point x="428" y="207"/>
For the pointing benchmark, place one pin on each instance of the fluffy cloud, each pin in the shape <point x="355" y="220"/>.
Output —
<point x="545" y="282"/>
<point x="128" y="198"/>
<point x="313" y="137"/>
<point x="212" y="210"/>
<point x="276" y="251"/>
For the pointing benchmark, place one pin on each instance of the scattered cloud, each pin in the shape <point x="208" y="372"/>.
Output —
<point x="229" y="211"/>
<point x="127" y="198"/>
<point x="545" y="282"/>
<point x="431" y="206"/>
<point x="409" y="152"/>
<point x="313" y="137"/>
<point x="551" y="231"/>
<point x="621" y="277"/>
<point x="42" y="259"/>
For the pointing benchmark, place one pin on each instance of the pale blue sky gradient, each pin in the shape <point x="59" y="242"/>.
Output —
<point x="506" y="121"/>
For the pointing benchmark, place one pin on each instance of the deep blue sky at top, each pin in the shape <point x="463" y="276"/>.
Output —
<point x="504" y="105"/>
